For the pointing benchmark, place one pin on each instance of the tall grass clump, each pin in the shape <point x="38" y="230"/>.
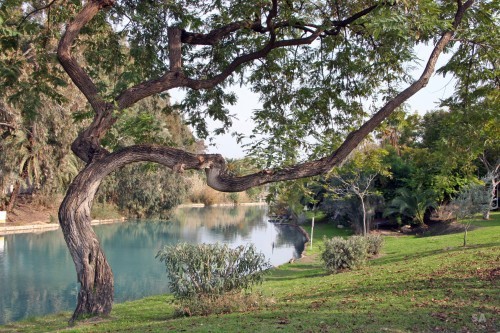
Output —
<point x="211" y="278"/>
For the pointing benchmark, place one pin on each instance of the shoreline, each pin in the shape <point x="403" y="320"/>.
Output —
<point x="200" y="205"/>
<point x="39" y="226"/>
<point x="42" y="226"/>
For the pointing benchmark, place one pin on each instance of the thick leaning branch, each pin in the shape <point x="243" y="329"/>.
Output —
<point x="219" y="179"/>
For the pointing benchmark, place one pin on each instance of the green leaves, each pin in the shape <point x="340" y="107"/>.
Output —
<point x="412" y="203"/>
<point x="211" y="269"/>
<point x="342" y="254"/>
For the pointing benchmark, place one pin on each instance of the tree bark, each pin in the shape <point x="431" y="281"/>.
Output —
<point x="13" y="196"/>
<point x="93" y="271"/>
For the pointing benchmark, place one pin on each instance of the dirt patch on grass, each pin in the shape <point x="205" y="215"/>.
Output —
<point x="432" y="229"/>
<point x="445" y="228"/>
<point x="29" y="213"/>
<point x="307" y="259"/>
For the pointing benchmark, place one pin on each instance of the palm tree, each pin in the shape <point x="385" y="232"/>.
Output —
<point x="411" y="203"/>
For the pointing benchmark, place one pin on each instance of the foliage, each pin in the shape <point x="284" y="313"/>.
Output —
<point x="471" y="200"/>
<point x="211" y="270"/>
<point x="290" y="198"/>
<point x="472" y="123"/>
<point x="35" y="110"/>
<point x="374" y="244"/>
<point x="341" y="254"/>
<point x="144" y="191"/>
<point x="105" y="211"/>
<point x="400" y="130"/>
<point x="412" y="204"/>
<point x="312" y="64"/>
<point x="147" y="190"/>
<point x="357" y="176"/>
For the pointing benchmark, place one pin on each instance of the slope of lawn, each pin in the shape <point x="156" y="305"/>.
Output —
<point x="418" y="284"/>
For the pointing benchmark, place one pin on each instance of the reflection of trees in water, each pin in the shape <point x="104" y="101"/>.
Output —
<point x="34" y="274"/>
<point x="186" y="224"/>
<point x="29" y="300"/>
<point x="289" y="235"/>
<point x="147" y="233"/>
<point x="229" y="222"/>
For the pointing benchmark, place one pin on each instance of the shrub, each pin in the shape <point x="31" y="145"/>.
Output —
<point x="205" y="277"/>
<point x="210" y="197"/>
<point x="374" y="244"/>
<point x="340" y="254"/>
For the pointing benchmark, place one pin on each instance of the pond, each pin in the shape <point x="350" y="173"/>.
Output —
<point x="37" y="275"/>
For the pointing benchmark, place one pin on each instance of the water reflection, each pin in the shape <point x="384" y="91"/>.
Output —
<point x="37" y="275"/>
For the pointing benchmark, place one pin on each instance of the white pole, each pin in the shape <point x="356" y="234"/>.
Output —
<point x="312" y="232"/>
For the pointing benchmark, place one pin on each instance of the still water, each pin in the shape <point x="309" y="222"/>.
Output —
<point x="37" y="275"/>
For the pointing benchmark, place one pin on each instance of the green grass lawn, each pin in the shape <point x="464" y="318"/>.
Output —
<point x="418" y="284"/>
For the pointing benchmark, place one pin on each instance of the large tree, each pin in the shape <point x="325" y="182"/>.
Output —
<point x="313" y="64"/>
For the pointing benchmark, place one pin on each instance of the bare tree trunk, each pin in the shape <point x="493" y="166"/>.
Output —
<point x="365" y="231"/>
<point x="492" y="196"/>
<point x="93" y="271"/>
<point x="13" y="197"/>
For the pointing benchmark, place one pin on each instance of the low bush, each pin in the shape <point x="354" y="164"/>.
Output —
<point x="208" y="278"/>
<point x="341" y="254"/>
<point x="374" y="244"/>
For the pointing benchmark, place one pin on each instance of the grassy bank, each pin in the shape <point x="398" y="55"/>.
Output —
<point x="419" y="284"/>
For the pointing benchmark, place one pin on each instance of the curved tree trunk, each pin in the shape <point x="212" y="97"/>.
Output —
<point x="94" y="274"/>
<point x="93" y="271"/>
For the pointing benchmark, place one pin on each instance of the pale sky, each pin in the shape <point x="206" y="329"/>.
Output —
<point x="425" y="100"/>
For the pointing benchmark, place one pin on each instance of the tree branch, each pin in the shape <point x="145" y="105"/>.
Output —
<point x="7" y="125"/>
<point x="174" y="48"/>
<point x="81" y="79"/>
<point x="220" y="180"/>
<point x="177" y="79"/>
<point x="87" y="145"/>
<point x="36" y="10"/>
<point x="217" y="175"/>
<point x="216" y="35"/>
<point x="344" y="23"/>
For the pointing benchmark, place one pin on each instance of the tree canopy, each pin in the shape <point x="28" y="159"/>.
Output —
<point x="327" y="74"/>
